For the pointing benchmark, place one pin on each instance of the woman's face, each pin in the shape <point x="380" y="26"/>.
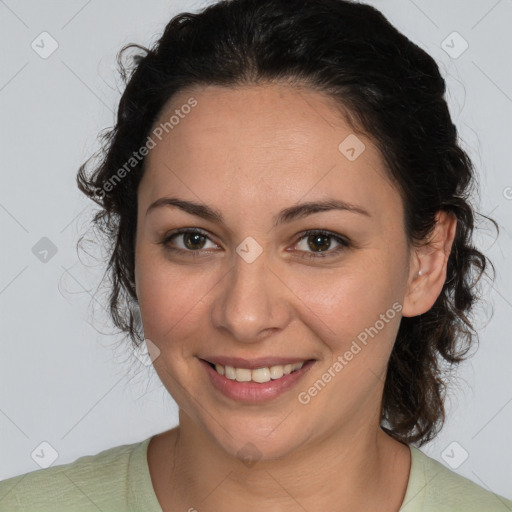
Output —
<point x="246" y="288"/>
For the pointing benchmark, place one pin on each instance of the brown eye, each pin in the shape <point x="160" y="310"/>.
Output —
<point x="193" y="240"/>
<point x="318" y="243"/>
<point x="188" y="240"/>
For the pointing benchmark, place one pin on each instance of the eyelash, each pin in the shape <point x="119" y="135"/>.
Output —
<point x="344" y="243"/>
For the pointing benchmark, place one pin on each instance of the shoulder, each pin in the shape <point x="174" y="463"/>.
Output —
<point x="91" y="482"/>
<point x="434" y="487"/>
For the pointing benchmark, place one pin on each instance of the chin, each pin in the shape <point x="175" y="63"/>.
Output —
<point x="252" y="443"/>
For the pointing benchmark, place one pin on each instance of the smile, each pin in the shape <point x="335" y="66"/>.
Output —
<point x="255" y="381"/>
<point x="261" y="375"/>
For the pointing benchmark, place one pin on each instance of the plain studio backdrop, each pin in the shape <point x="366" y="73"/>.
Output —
<point x="68" y="390"/>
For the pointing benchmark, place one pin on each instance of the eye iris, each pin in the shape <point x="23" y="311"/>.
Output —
<point x="320" y="242"/>
<point x="193" y="240"/>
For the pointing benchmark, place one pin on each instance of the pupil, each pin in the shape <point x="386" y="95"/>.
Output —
<point x="320" y="242"/>
<point x="193" y="240"/>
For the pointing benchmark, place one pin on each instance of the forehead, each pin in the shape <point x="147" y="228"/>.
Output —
<point x="263" y="145"/>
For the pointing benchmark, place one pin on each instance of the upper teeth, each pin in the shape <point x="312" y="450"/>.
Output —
<point x="259" y="374"/>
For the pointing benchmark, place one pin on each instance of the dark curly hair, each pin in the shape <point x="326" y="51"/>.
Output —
<point x="386" y="86"/>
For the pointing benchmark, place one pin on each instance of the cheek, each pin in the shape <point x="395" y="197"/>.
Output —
<point x="360" y="303"/>
<point x="356" y="319"/>
<point x="173" y="299"/>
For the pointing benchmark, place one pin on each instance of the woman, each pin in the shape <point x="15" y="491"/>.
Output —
<point x="288" y="207"/>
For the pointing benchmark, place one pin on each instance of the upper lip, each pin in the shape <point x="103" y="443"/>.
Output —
<point x="262" y="362"/>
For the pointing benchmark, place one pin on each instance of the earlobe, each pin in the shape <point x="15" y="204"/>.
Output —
<point x="428" y="271"/>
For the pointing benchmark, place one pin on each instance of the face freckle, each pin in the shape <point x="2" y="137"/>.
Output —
<point x="256" y="289"/>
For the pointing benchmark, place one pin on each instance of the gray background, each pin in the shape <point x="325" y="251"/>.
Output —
<point x="64" y="382"/>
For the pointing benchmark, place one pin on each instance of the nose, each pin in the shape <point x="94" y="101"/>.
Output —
<point x="252" y="302"/>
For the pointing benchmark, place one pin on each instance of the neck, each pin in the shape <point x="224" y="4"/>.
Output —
<point x="360" y="469"/>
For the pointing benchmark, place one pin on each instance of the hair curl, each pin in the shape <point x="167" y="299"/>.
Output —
<point x="386" y="85"/>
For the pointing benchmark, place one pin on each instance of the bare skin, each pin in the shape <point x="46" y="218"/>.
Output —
<point x="249" y="153"/>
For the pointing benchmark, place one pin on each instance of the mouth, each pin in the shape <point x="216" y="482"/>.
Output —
<point x="254" y="381"/>
<point x="259" y="375"/>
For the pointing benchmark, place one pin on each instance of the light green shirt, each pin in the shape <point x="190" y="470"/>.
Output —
<point x="118" y="480"/>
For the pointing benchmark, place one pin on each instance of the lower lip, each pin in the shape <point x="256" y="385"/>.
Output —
<point x="255" y="392"/>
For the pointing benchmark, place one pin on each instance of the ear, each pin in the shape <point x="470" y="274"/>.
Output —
<point x="432" y="260"/>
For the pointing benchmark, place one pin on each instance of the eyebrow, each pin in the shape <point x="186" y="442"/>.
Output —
<point x="287" y="215"/>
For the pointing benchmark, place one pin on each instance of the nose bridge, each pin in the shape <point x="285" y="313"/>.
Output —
<point x="251" y="301"/>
